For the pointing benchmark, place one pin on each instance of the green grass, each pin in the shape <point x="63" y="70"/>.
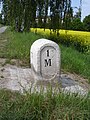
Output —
<point x="18" y="45"/>
<point x="75" y="62"/>
<point x="39" y="106"/>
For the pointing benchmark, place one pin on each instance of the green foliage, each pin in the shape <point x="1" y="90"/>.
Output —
<point x="24" y="14"/>
<point x="40" y="106"/>
<point x="86" y="23"/>
<point x="19" y="14"/>
<point x="76" y="24"/>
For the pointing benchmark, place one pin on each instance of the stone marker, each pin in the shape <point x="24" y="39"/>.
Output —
<point x="45" y="60"/>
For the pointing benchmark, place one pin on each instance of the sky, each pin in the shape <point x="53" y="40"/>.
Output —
<point x="85" y="7"/>
<point x="76" y="3"/>
<point x="0" y="8"/>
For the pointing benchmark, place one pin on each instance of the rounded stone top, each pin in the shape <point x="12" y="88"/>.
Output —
<point x="38" y="44"/>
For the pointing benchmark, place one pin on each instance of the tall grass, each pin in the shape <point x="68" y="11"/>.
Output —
<point x="39" y="106"/>
<point x="75" y="62"/>
<point x="18" y="45"/>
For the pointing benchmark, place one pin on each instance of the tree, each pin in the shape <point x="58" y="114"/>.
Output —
<point x="46" y="5"/>
<point x="61" y="14"/>
<point x="5" y="12"/>
<point x="86" y="23"/>
<point x="22" y="14"/>
<point x="76" y="24"/>
<point x="40" y="12"/>
<point x="19" y="14"/>
<point x="0" y="18"/>
<point x="68" y="14"/>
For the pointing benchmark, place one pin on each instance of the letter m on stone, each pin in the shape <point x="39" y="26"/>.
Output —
<point x="47" y="62"/>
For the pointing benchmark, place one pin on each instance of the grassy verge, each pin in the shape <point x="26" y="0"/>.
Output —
<point x="39" y="106"/>
<point x="75" y="62"/>
<point x="18" y="47"/>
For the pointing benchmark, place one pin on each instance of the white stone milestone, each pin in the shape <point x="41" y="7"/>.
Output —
<point x="45" y="60"/>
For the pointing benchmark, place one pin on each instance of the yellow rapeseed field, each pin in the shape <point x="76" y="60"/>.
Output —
<point x="79" y="38"/>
